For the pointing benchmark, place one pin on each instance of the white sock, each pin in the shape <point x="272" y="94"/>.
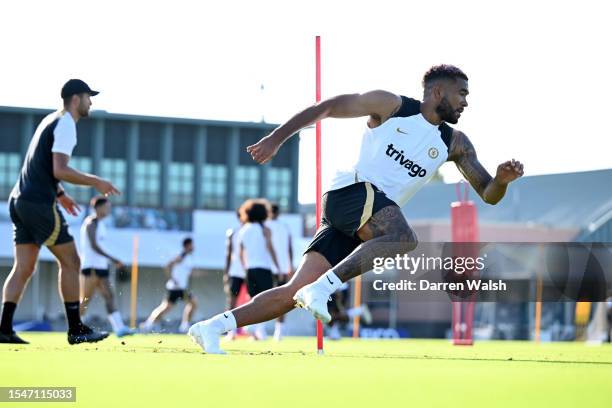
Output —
<point x="223" y="322"/>
<point x="329" y="282"/>
<point x="260" y="330"/>
<point x="116" y="321"/>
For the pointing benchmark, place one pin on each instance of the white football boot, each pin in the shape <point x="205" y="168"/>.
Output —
<point x="207" y="337"/>
<point x="313" y="299"/>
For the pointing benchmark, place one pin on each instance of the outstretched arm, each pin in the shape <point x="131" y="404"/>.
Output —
<point x="62" y="171"/>
<point x="379" y="105"/>
<point x="490" y="189"/>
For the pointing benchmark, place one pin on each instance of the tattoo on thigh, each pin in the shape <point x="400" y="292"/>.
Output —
<point x="389" y="221"/>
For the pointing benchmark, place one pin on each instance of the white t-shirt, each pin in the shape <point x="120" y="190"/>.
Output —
<point x="180" y="274"/>
<point x="252" y="238"/>
<point x="281" y="238"/>
<point x="399" y="157"/>
<point x="235" y="269"/>
<point x="89" y="257"/>
<point x="64" y="135"/>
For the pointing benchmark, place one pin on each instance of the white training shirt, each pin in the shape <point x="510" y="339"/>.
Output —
<point x="180" y="274"/>
<point x="235" y="268"/>
<point x="399" y="156"/>
<point x="252" y="238"/>
<point x="89" y="257"/>
<point x="280" y="241"/>
<point x="64" y="134"/>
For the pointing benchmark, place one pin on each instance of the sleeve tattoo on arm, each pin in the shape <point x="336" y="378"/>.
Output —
<point x="462" y="152"/>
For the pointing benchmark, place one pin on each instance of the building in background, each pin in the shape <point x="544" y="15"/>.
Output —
<point x="178" y="177"/>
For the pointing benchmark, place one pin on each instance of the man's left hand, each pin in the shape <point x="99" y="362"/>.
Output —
<point x="509" y="171"/>
<point x="69" y="204"/>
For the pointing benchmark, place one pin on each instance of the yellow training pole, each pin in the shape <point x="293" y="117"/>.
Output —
<point x="134" y="285"/>
<point x="538" y="309"/>
<point x="356" y="304"/>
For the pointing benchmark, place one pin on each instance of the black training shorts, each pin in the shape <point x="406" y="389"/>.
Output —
<point x="234" y="284"/>
<point x="100" y="273"/>
<point x="259" y="280"/>
<point x="177" y="294"/>
<point x="38" y="223"/>
<point x="344" y="212"/>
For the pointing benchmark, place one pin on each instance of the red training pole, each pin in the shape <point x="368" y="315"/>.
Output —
<point x="318" y="166"/>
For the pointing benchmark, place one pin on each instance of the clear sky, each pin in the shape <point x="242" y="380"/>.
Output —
<point x="539" y="70"/>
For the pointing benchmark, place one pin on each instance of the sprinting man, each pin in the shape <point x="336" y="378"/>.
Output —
<point x="281" y="241"/>
<point x="95" y="264"/>
<point x="404" y="144"/>
<point x="37" y="221"/>
<point x="178" y="272"/>
<point x="233" y="274"/>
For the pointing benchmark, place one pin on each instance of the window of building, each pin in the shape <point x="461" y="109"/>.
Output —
<point x="214" y="171"/>
<point x="148" y="167"/>
<point x="114" y="160"/>
<point x="279" y="183"/>
<point x="180" y="184"/>
<point x="279" y="186"/>
<point x="182" y="171"/>
<point x="11" y="126"/>
<point x="247" y="183"/>
<point x="214" y="186"/>
<point x="247" y="176"/>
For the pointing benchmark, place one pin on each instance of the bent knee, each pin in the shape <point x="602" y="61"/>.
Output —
<point x="24" y="271"/>
<point x="71" y="265"/>
<point x="407" y="239"/>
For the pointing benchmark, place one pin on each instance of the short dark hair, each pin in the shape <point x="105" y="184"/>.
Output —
<point x="98" y="201"/>
<point x="68" y="99"/>
<point x="254" y="210"/>
<point x="443" y="71"/>
<point x="187" y="241"/>
<point x="275" y="208"/>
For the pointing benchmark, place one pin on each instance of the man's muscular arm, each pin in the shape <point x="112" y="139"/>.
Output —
<point x="378" y="105"/>
<point x="490" y="189"/>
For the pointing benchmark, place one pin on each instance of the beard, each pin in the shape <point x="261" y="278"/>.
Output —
<point x="83" y="111"/>
<point x="446" y="112"/>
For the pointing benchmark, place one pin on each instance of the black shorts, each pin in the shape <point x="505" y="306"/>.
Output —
<point x="258" y="280"/>
<point x="234" y="284"/>
<point x="100" y="273"/>
<point x="177" y="294"/>
<point x="280" y="279"/>
<point x="344" y="212"/>
<point x="38" y="223"/>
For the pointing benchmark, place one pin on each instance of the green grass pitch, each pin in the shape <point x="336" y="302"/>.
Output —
<point x="169" y="370"/>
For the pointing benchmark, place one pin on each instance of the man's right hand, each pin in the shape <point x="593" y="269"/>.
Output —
<point x="106" y="187"/>
<point x="264" y="150"/>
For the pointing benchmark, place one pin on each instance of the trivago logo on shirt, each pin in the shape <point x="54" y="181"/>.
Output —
<point x="413" y="168"/>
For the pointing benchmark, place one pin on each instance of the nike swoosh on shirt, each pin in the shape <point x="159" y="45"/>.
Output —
<point x="401" y="131"/>
<point x="329" y="280"/>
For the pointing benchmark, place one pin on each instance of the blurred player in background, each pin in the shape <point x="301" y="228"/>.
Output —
<point x="178" y="272"/>
<point x="281" y="241"/>
<point x="257" y="252"/>
<point x="37" y="221"/>
<point x="341" y="312"/>
<point x="234" y="275"/>
<point x="95" y="264"/>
